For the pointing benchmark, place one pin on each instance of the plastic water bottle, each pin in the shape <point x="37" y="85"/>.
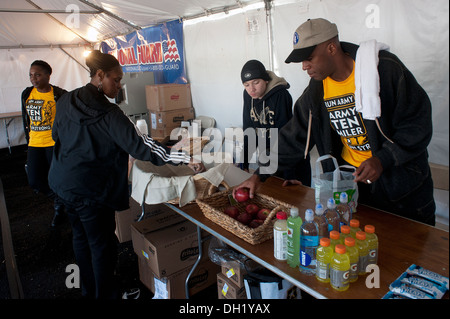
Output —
<point x="280" y="236"/>
<point x="353" y="254"/>
<point x="321" y="221"/>
<point x="354" y="227"/>
<point x="363" y="250"/>
<point x="294" y="223"/>
<point x="324" y="255"/>
<point x="372" y="240"/>
<point x="332" y="215"/>
<point x="344" y="210"/>
<point x="340" y="269"/>
<point x="309" y="240"/>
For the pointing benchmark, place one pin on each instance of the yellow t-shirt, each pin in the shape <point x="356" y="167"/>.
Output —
<point x="339" y="100"/>
<point x="41" y="109"/>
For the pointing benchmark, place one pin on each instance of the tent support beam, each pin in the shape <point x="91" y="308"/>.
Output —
<point x="71" y="56"/>
<point x="268" y="8"/>
<point x="59" y="22"/>
<point x="112" y="15"/>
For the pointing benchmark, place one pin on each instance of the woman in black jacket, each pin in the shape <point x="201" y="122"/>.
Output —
<point x="93" y="141"/>
<point x="38" y="114"/>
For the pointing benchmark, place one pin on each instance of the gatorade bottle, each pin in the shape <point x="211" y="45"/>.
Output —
<point x="353" y="254"/>
<point x="344" y="210"/>
<point x="294" y="222"/>
<point x="363" y="250"/>
<point x="354" y="227"/>
<point x="340" y="269"/>
<point x="309" y="240"/>
<point x="321" y="221"/>
<point x="334" y="238"/>
<point x="324" y="255"/>
<point x="372" y="239"/>
<point x="280" y="236"/>
<point x="332" y="216"/>
<point x="345" y="232"/>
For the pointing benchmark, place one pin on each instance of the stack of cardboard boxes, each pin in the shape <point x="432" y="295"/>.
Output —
<point x="230" y="282"/>
<point x="168" y="105"/>
<point x="166" y="254"/>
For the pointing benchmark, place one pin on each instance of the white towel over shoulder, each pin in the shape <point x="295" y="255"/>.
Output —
<point x="367" y="80"/>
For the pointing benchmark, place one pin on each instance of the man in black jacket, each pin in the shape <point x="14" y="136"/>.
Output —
<point x="388" y="151"/>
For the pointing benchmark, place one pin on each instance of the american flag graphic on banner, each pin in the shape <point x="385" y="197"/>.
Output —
<point x="170" y="51"/>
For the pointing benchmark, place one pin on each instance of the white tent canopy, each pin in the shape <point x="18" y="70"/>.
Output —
<point x="217" y="45"/>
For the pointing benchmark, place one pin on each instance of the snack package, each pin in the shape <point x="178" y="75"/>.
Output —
<point x="427" y="274"/>
<point x="392" y="295"/>
<point x="403" y="289"/>
<point x="430" y="287"/>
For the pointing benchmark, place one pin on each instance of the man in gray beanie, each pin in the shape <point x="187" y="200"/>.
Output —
<point x="268" y="105"/>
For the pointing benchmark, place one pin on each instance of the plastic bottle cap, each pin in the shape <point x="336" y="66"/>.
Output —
<point x="309" y="215"/>
<point x="340" y="249"/>
<point x="343" y="197"/>
<point x="360" y="235"/>
<point x="281" y="215"/>
<point x="331" y="203"/>
<point x="354" y="223"/>
<point x="325" y="242"/>
<point x="319" y="209"/>
<point x="334" y="234"/>
<point x="350" y="241"/>
<point x="369" y="229"/>
<point x="294" y="211"/>
<point x="345" y="229"/>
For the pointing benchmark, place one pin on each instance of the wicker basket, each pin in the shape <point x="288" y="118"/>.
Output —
<point x="213" y="208"/>
<point x="203" y="188"/>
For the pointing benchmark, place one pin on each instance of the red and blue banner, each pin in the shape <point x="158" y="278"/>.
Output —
<point x="157" y="49"/>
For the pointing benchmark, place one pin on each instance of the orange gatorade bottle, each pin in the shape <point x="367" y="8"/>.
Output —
<point x="353" y="254"/>
<point x="324" y="255"/>
<point x="372" y="239"/>
<point x="340" y="269"/>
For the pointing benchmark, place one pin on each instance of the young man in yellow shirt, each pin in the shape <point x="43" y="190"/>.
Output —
<point x="38" y="113"/>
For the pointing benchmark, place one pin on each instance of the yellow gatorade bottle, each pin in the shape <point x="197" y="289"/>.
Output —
<point x="345" y="232"/>
<point x="363" y="249"/>
<point x="353" y="254"/>
<point x="334" y="238"/>
<point x="372" y="239"/>
<point x="324" y="255"/>
<point x="340" y="269"/>
<point x="354" y="227"/>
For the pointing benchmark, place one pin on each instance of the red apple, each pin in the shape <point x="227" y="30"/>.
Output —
<point x="263" y="213"/>
<point x="232" y="212"/>
<point x="241" y="194"/>
<point x="245" y="218"/>
<point x="256" y="223"/>
<point x="252" y="209"/>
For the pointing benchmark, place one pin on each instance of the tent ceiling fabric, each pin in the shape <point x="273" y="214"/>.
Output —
<point x="91" y="21"/>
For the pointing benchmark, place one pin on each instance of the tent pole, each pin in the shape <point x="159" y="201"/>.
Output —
<point x="57" y="21"/>
<point x="268" y="8"/>
<point x="73" y="58"/>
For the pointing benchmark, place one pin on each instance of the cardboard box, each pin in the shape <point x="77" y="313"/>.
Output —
<point x="166" y="250"/>
<point x="160" y="216"/>
<point x="167" y="97"/>
<point x="234" y="273"/>
<point x="170" y="119"/>
<point x="173" y="287"/>
<point x="226" y="289"/>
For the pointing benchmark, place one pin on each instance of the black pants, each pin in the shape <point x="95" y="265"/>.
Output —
<point x="38" y="165"/>
<point x="95" y="248"/>
<point x="419" y="205"/>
